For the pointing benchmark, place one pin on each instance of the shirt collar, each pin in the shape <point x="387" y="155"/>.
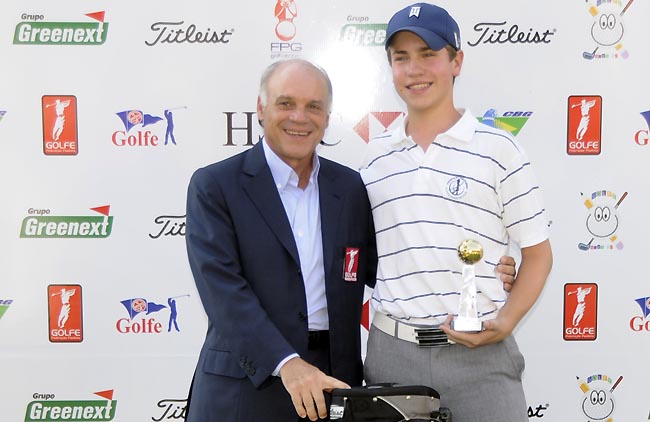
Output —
<point x="462" y="130"/>
<point x="282" y="173"/>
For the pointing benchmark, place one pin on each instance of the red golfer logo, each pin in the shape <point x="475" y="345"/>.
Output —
<point x="285" y="11"/>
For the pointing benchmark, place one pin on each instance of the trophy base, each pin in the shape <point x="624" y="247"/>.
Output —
<point x="468" y="325"/>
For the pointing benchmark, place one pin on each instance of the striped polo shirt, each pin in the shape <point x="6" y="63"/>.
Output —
<point x="473" y="182"/>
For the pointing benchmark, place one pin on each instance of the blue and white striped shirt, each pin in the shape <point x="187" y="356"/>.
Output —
<point x="473" y="182"/>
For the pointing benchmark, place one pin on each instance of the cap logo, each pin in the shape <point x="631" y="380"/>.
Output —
<point x="415" y="11"/>
<point x="456" y="39"/>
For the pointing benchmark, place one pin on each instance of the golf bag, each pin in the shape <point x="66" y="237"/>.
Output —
<point x="387" y="403"/>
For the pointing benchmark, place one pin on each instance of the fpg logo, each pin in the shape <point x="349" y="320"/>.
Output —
<point x="584" y="117"/>
<point x="641" y="323"/>
<point x="285" y="30"/>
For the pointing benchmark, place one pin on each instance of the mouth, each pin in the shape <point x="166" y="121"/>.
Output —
<point x="419" y="86"/>
<point x="296" y="132"/>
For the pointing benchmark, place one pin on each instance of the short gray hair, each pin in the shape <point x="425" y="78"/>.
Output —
<point x="273" y="67"/>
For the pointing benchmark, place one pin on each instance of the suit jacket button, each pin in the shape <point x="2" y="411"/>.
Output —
<point x="302" y="316"/>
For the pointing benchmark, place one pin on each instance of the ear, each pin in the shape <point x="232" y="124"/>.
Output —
<point x="260" y="109"/>
<point x="457" y="62"/>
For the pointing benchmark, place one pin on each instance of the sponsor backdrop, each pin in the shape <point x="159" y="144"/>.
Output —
<point x="106" y="109"/>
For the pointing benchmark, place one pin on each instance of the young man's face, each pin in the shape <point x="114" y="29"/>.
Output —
<point x="422" y="77"/>
<point x="296" y="115"/>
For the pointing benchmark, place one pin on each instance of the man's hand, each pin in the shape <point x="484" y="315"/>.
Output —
<point x="494" y="331"/>
<point x="305" y="383"/>
<point x="506" y="272"/>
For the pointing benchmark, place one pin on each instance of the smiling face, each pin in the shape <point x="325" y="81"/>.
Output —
<point x="294" y="110"/>
<point x="423" y="77"/>
<point x="602" y="220"/>
<point x="598" y="404"/>
<point x="607" y="28"/>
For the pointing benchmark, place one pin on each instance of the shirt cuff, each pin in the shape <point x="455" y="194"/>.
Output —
<point x="276" y="373"/>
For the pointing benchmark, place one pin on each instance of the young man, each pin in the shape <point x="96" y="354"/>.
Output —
<point x="438" y="180"/>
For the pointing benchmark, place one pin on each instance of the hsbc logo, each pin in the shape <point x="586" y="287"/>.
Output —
<point x="376" y="123"/>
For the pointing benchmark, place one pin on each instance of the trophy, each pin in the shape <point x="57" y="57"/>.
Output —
<point x="470" y="252"/>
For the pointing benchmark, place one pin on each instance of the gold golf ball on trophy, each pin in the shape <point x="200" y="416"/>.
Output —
<point x="470" y="251"/>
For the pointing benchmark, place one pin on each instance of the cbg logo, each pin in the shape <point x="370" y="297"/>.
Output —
<point x="584" y="117"/>
<point x="580" y="311"/>
<point x="60" y="125"/>
<point x="602" y="221"/>
<point x="641" y="323"/>
<point x="4" y="305"/>
<point x="511" y="121"/>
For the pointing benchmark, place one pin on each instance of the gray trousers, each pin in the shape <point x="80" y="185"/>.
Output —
<point x="481" y="384"/>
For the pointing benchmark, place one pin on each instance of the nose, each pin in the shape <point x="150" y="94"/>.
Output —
<point x="298" y="115"/>
<point x="414" y="67"/>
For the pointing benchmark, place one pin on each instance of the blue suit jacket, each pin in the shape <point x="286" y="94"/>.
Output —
<point x="246" y="268"/>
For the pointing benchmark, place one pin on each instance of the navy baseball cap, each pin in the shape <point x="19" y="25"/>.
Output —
<point x="431" y="23"/>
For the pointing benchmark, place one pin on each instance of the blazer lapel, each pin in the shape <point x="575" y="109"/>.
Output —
<point x="330" y="210"/>
<point x="260" y="188"/>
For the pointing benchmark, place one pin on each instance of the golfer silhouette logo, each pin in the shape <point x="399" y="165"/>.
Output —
<point x="286" y="12"/>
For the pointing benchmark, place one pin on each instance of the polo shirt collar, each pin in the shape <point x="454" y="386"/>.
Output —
<point x="463" y="130"/>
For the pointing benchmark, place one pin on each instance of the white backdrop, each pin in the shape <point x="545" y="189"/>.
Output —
<point x="110" y="174"/>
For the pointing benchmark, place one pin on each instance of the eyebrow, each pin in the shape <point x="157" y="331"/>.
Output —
<point x="290" y="98"/>
<point x="421" y="49"/>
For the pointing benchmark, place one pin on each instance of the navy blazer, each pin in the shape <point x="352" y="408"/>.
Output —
<point x="247" y="271"/>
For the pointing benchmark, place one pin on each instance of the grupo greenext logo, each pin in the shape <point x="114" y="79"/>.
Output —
<point x="44" y="408"/>
<point x="40" y="224"/>
<point x="360" y="32"/>
<point x="34" y="30"/>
